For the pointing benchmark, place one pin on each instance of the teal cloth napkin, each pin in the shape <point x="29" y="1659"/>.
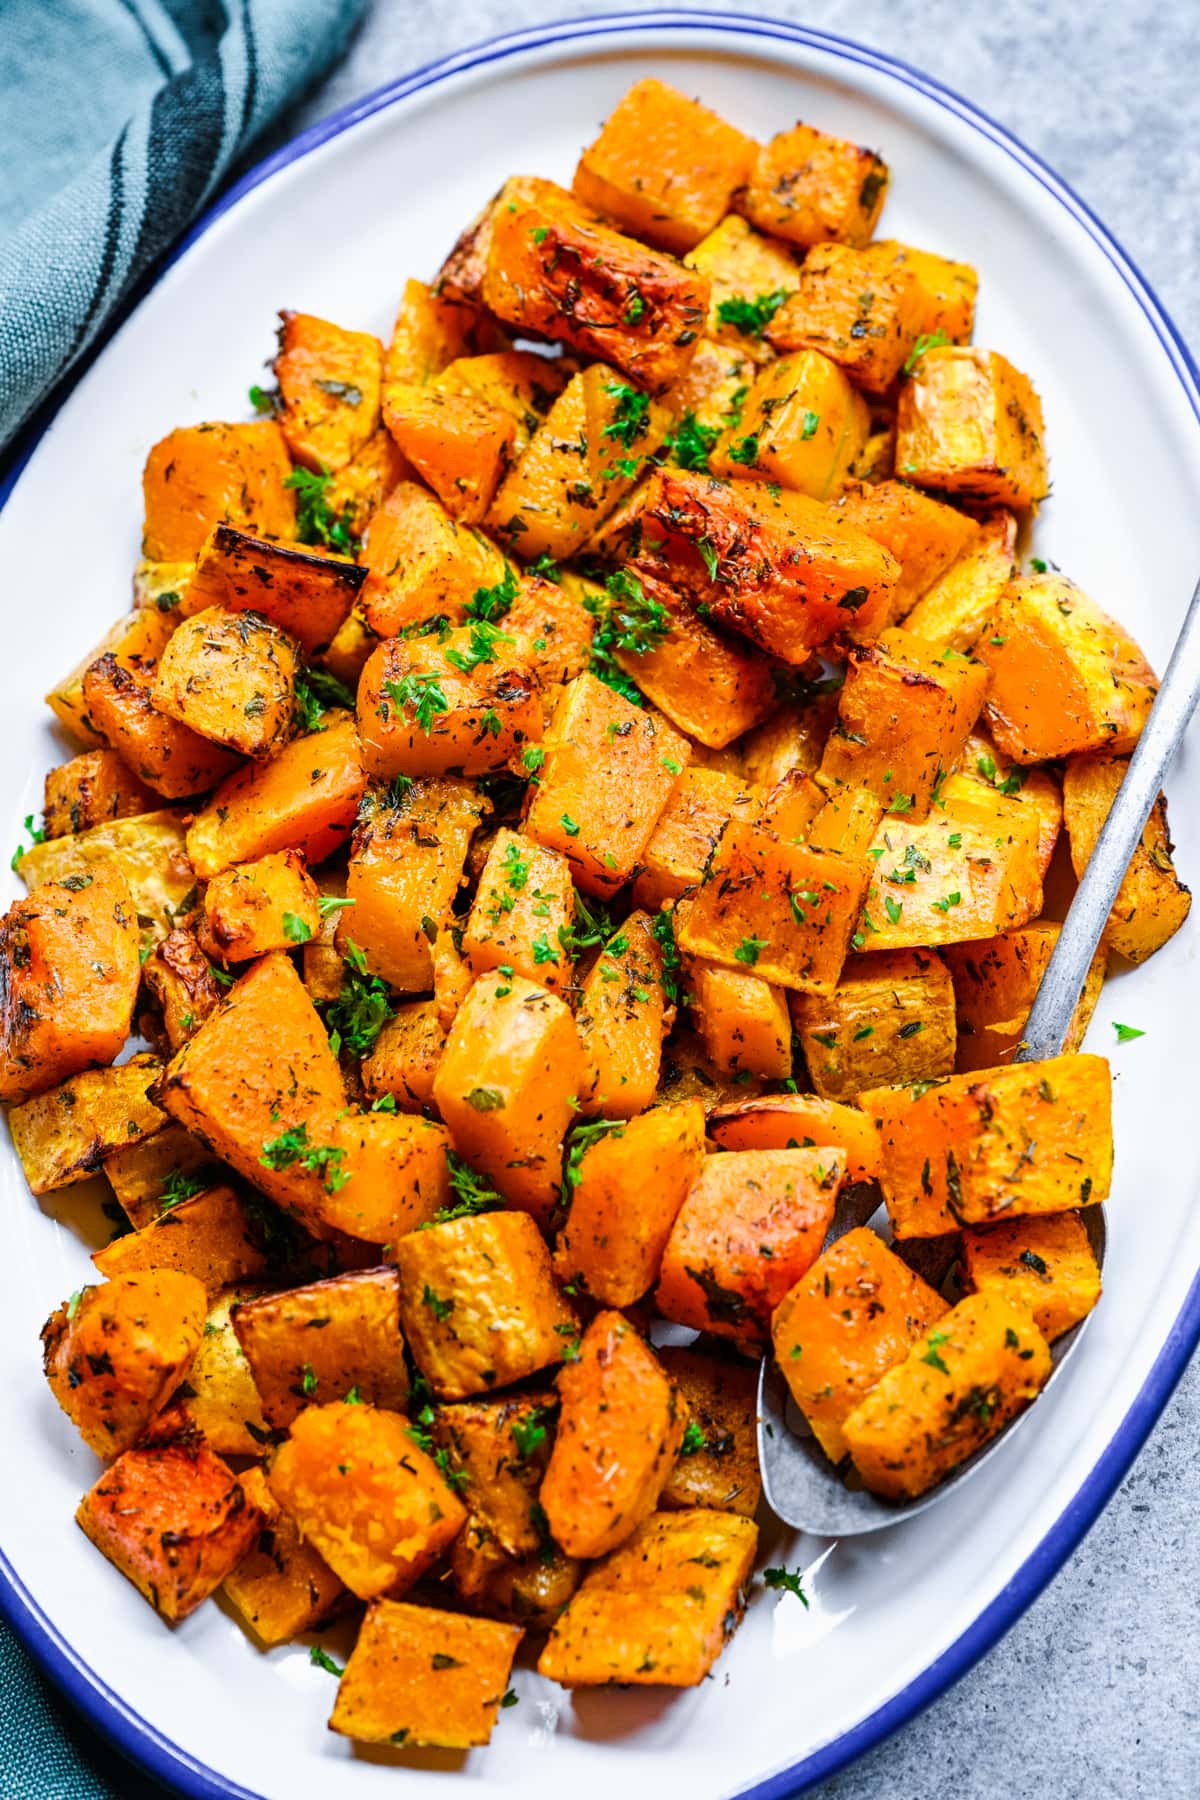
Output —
<point x="119" y="121"/>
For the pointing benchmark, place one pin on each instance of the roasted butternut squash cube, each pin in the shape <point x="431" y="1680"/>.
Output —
<point x="948" y="288"/>
<point x="785" y="911"/>
<point x="924" y="535"/>
<point x="422" y="563"/>
<point x="306" y="798"/>
<point x="812" y="188"/>
<point x="958" y="1387"/>
<point x="133" y="644"/>
<point x="970" y="878"/>
<point x="798" y="1122"/>
<point x="904" y="715"/>
<point x="523" y="913"/>
<point x="365" y="1496"/>
<point x="642" y="1616"/>
<point x="1152" y="903"/>
<point x="305" y="594"/>
<point x="855" y="1315"/>
<point x="500" y="1449"/>
<point x="271" y="904"/>
<point x="168" y="756"/>
<point x="712" y="687"/>
<point x="205" y="475"/>
<point x="459" y="443"/>
<point x="329" y="381"/>
<point x="173" y="1518"/>
<point x="773" y="566"/>
<point x="406" y="1056"/>
<point x="478" y="1303"/>
<point x="864" y="318"/>
<point x="688" y="828"/>
<point x="529" y="1591"/>
<point x="847" y="823"/>
<point x="793" y="738"/>
<point x="508" y="1084"/>
<point x="153" y="1174"/>
<point x="995" y="984"/>
<point x="91" y="789"/>
<point x="161" y="585"/>
<point x="742" y="1020"/>
<point x="220" y="1399"/>
<point x="986" y="781"/>
<point x="114" y="1354"/>
<point x="664" y="167"/>
<point x="623" y="1194"/>
<point x="970" y="423"/>
<point x="230" y="677"/>
<point x="619" y="1432"/>
<point x="519" y="382"/>
<point x="553" y="628"/>
<point x="465" y="706"/>
<point x="718" y="1463"/>
<point x="406" y="864"/>
<point x="579" y="464"/>
<point x="1065" y="677"/>
<point x="609" y="772"/>
<point x="386" y="1175"/>
<point x="67" y="1134"/>
<point x="1045" y="1264"/>
<point x="68" y="980"/>
<point x="752" y="1225"/>
<point x="432" y="330"/>
<point x="209" y="1237"/>
<point x="553" y="271"/>
<point x="751" y="276"/>
<point x="148" y="850"/>
<point x="281" y="1587"/>
<point x="957" y="607"/>
<point x="360" y="489"/>
<point x="802" y="424"/>
<point x="323" y="1341"/>
<point x="792" y="806"/>
<point x="995" y="1143"/>
<point x="419" y="1676"/>
<point x="890" y="1020"/>
<point x="624" y="1013"/>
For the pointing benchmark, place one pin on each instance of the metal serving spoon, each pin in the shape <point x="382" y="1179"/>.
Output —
<point x="801" y="1485"/>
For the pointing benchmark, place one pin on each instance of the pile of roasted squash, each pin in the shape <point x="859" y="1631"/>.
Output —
<point x="574" y="794"/>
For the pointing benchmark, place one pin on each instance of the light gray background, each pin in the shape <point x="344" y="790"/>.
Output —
<point x="1094" y="1692"/>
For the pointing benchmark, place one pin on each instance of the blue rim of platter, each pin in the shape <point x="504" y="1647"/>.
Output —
<point x="103" y="1708"/>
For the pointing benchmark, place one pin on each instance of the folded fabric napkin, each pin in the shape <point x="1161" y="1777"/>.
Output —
<point x="119" y="121"/>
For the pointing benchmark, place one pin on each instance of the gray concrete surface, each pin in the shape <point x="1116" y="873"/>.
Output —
<point x="1095" y="1691"/>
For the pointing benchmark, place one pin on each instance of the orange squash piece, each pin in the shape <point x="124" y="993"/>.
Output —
<point x="924" y="535"/>
<point x="864" y="318"/>
<point x="271" y="904"/>
<point x="802" y="424"/>
<point x="812" y="188"/>
<point x="91" y="788"/>
<point x="1046" y="1264"/>
<point x="741" y="1019"/>
<point x="329" y="382"/>
<point x="467" y="705"/>
<point x="970" y="423"/>
<point x="956" y="608"/>
<point x="419" y="1676"/>
<point x="304" y="799"/>
<point x="995" y="983"/>
<point x="624" y="1013"/>
<point x="231" y="678"/>
<point x="458" y="443"/>
<point x="209" y="1238"/>
<point x="891" y="1018"/>
<point x="306" y="594"/>
<point x="422" y="563"/>
<point x="167" y="756"/>
<point x="324" y="1340"/>
<point x="1152" y="903"/>
<point x="281" y="1587"/>
<point x="205" y="475"/>
<point x="688" y="828"/>
<point x="799" y="1122"/>
<point x="523" y="913"/>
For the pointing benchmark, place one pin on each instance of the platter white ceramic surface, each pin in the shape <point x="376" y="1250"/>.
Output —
<point x="333" y="226"/>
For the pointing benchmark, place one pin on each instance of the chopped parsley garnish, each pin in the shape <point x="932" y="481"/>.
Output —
<point x="316" y="521"/>
<point x="316" y="692"/>
<point x="485" y="1099"/>
<point x="36" y="836"/>
<point x="295" y="929"/>
<point x="791" y="1580"/>
<point x="751" y="317"/>
<point x="631" y="414"/>
<point x="749" y="950"/>
<point x="694" y="1440"/>
<point x="322" y="1660"/>
<point x="490" y="604"/>
<point x="481" y="648"/>
<point x="691" y="443"/>
<point x="441" y="1309"/>
<point x="927" y="341"/>
<point x="355" y="1019"/>
<point x="178" y="1186"/>
<point x="422" y="695"/>
<point x="1126" y="1033"/>
<point x="293" y="1146"/>
<point x="933" y="1343"/>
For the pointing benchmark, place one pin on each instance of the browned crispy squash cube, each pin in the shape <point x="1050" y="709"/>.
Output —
<point x="281" y="1587"/>
<point x="529" y="1590"/>
<point x="996" y="1143"/>
<point x="802" y="424"/>
<point x="948" y="289"/>
<point x="751" y="276"/>
<point x="619" y="1432"/>
<point x="365" y="1496"/>
<point x="956" y="609"/>
<point x="608" y="773"/>
<point x="323" y="1341"/>
<point x="459" y="443"/>
<point x="220" y="1399"/>
<point x="508" y="1084"/>
<point x="68" y="980"/>
<point x="623" y="1198"/>
<point x="687" y="830"/>
<point x="785" y="911"/>
<point x="660" y="1610"/>
<point x="329" y="381"/>
<point x="664" y="167"/>
<point x="168" y="756"/>
<point x="995" y="983"/>
<point x="208" y="1236"/>
<point x="813" y="188"/>
<point x="422" y="563"/>
<point x="752" y="1225"/>
<point x="205" y="475"/>
<point x="1046" y="1264"/>
<point x="864" y="318"/>
<point x="1065" y="677"/>
<point x="305" y="799"/>
<point x="67" y="1134"/>
<point x="419" y="1676"/>
<point x="551" y="270"/>
<point x="406" y="864"/>
<point x="970" y="423"/>
<point x="478" y="1303"/>
<point x="230" y="677"/>
<point x="523" y="913"/>
<point x="172" y="1518"/>
<point x="958" y="1387"/>
<point x="741" y="1019"/>
<point x="798" y="1122"/>
<point x="115" y="1353"/>
<point x="180" y="979"/>
<point x="406" y="1056"/>
<point x="1152" y="903"/>
<point x="307" y="595"/>
<point x="148" y="850"/>
<point x="890" y="1020"/>
<point x="500" y="1449"/>
<point x="623" y="1015"/>
<point x="718" y="1464"/>
<point x="271" y="904"/>
<point x="855" y="1315"/>
<point x="90" y="789"/>
<point x="465" y="706"/>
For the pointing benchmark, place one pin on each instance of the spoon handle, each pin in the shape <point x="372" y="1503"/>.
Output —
<point x="1062" y="984"/>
